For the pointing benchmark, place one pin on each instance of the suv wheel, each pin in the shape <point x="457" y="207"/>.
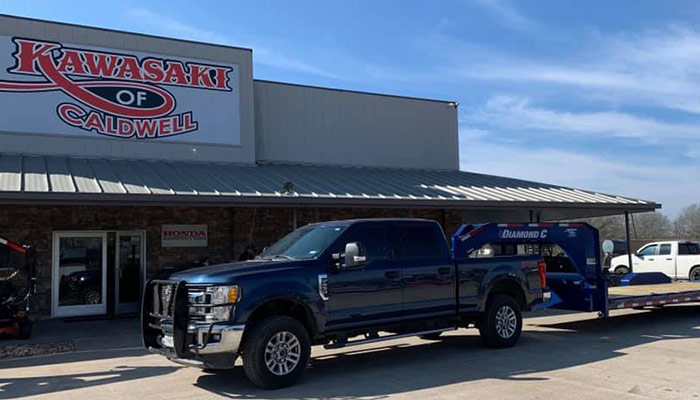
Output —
<point x="276" y="352"/>
<point x="502" y="322"/>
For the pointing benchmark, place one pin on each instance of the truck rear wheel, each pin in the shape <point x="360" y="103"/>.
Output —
<point x="502" y="322"/>
<point x="694" y="275"/>
<point x="276" y="352"/>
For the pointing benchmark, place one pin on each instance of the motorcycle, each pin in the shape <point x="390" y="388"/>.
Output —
<point x="17" y="266"/>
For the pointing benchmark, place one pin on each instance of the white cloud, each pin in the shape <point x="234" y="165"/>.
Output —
<point x="173" y="27"/>
<point x="665" y="183"/>
<point x="508" y="15"/>
<point x="657" y="68"/>
<point x="162" y="25"/>
<point x="516" y="113"/>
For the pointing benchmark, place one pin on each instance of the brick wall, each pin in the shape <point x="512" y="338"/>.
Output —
<point x="231" y="230"/>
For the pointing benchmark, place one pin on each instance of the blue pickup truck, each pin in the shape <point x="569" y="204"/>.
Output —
<point x="337" y="284"/>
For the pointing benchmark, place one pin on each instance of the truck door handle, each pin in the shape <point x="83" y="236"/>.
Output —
<point x="669" y="259"/>
<point x="444" y="270"/>
<point x="651" y="259"/>
<point x="393" y="275"/>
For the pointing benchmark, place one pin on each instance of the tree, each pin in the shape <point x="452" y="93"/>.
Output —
<point x="610" y="227"/>
<point x="687" y="224"/>
<point x="652" y="225"/>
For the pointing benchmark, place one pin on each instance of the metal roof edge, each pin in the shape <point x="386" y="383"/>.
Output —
<point x="23" y="198"/>
<point x="356" y="91"/>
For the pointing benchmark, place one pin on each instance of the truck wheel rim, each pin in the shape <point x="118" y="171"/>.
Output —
<point x="695" y="276"/>
<point x="92" y="297"/>
<point x="506" y="322"/>
<point x="282" y="353"/>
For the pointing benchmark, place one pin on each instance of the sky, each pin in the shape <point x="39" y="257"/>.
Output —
<point x="594" y="94"/>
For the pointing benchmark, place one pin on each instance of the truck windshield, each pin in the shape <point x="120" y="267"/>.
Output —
<point x="304" y="243"/>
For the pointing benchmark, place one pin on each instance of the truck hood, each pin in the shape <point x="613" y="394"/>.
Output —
<point x="232" y="272"/>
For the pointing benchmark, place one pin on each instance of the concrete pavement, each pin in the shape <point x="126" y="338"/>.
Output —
<point x="634" y="355"/>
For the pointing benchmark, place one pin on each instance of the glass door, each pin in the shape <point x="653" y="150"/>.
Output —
<point x="129" y="271"/>
<point x="79" y="273"/>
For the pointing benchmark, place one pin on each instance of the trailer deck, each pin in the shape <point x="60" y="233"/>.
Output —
<point x="636" y="296"/>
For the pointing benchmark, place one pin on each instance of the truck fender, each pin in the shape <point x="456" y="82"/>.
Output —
<point x="498" y="283"/>
<point x="282" y="291"/>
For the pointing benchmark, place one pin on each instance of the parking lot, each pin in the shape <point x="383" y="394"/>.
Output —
<point x="635" y="354"/>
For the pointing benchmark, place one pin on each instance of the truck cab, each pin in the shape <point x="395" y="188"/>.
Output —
<point x="676" y="259"/>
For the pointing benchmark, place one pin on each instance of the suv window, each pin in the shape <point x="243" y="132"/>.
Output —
<point x="649" y="250"/>
<point x="685" y="249"/>
<point x="665" y="249"/>
<point x="419" y="242"/>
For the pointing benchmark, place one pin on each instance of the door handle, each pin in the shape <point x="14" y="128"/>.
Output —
<point x="393" y="275"/>
<point x="669" y="259"/>
<point x="444" y="270"/>
<point x="651" y="259"/>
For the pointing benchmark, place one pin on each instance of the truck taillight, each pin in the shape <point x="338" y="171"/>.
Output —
<point x="543" y="273"/>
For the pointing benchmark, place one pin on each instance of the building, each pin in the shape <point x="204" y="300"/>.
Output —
<point x="125" y="156"/>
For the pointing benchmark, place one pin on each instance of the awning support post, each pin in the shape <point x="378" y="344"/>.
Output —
<point x="629" y="246"/>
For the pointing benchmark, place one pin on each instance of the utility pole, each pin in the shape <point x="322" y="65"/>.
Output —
<point x="629" y="246"/>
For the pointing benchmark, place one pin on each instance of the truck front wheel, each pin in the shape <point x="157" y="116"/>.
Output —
<point x="502" y="322"/>
<point x="276" y="352"/>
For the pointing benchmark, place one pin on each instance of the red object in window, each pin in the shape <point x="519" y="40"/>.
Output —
<point x="543" y="273"/>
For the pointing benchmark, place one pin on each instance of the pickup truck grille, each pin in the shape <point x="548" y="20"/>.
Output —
<point x="163" y="299"/>
<point x="197" y="299"/>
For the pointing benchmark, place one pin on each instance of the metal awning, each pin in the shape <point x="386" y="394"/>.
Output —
<point x="49" y="179"/>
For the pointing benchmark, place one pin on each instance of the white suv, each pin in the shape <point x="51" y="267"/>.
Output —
<point x="678" y="259"/>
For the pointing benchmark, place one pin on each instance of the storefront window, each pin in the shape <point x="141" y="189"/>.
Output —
<point x="80" y="271"/>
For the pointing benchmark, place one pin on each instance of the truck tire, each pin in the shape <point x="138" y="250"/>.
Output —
<point x="694" y="275"/>
<point x="622" y="270"/>
<point x="502" y="322"/>
<point x="276" y="352"/>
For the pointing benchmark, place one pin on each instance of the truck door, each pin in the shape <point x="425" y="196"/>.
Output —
<point x="666" y="260"/>
<point x="428" y="270"/>
<point x="360" y="296"/>
<point x="646" y="259"/>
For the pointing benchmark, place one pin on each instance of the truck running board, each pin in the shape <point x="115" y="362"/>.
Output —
<point x="374" y="338"/>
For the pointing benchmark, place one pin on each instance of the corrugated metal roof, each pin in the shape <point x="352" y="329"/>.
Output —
<point x="81" y="179"/>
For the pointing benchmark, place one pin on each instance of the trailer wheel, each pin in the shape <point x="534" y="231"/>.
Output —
<point x="694" y="275"/>
<point x="502" y="322"/>
<point x="276" y="352"/>
<point x="622" y="270"/>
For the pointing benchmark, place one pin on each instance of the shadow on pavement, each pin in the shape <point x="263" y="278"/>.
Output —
<point x="92" y="340"/>
<point x="21" y="387"/>
<point x="77" y="356"/>
<point x="380" y="371"/>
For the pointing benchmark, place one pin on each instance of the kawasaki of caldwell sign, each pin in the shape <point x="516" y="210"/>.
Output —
<point x="56" y="88"/>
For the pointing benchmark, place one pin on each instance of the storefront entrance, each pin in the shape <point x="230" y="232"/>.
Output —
<point x="97" y="273"/>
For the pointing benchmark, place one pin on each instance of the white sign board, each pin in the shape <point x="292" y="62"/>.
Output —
<point x="63" y="89"/>
<point x="184" y="236"/>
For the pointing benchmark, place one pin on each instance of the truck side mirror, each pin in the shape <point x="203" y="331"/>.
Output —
<point x="354" y="255"/>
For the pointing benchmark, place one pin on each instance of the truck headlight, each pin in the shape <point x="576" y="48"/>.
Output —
<point x="224" y="295"/>
<point x="223" y="298"/>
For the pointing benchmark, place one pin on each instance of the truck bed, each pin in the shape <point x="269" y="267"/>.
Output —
<point x="653" y="295"/>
